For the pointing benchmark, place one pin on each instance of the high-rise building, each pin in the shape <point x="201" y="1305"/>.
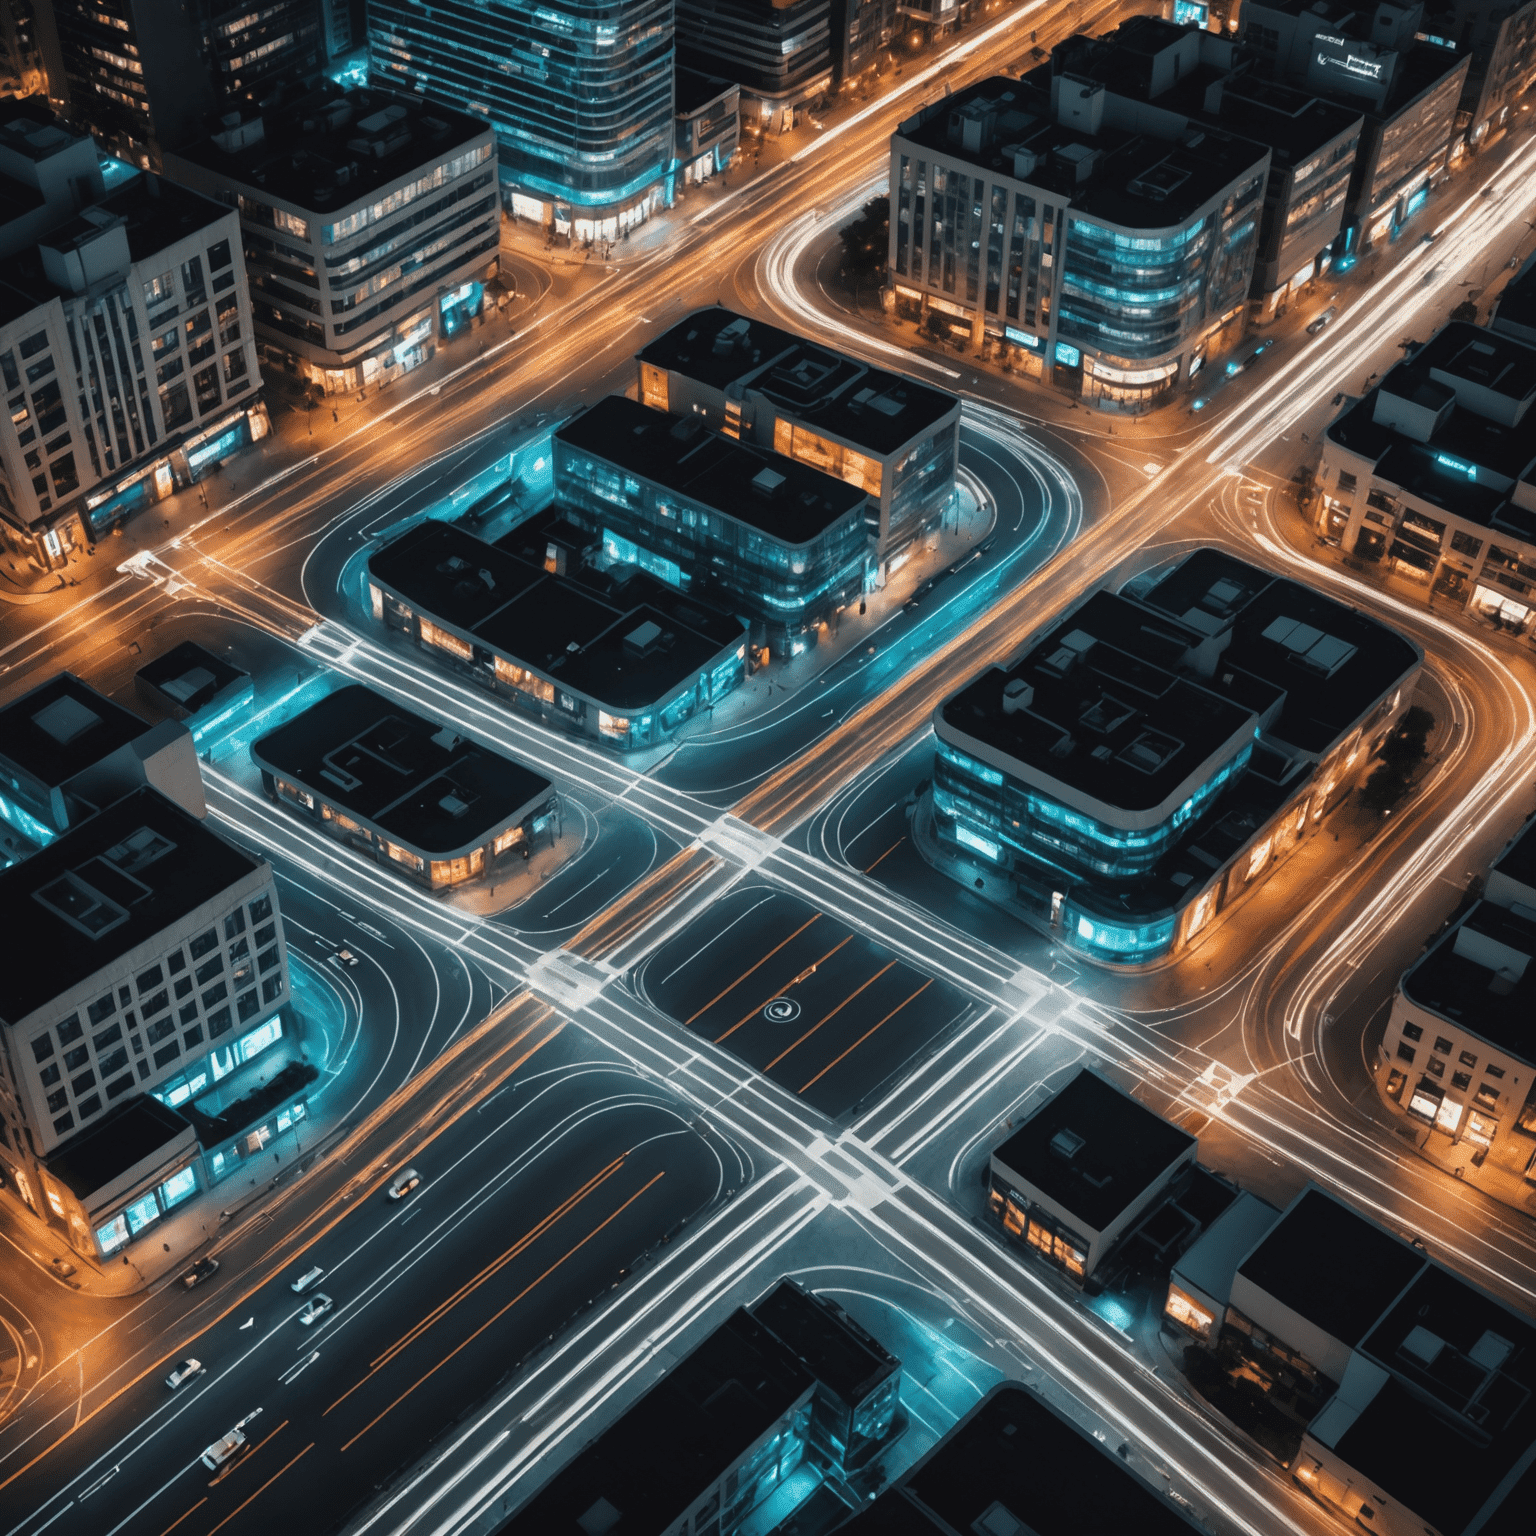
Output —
<point x="579" y="93"/>
<point x="370" y="223"/>
<point x="126" y="351"/>
<point x="778" y="51"/>
<point x="145" y="75"/>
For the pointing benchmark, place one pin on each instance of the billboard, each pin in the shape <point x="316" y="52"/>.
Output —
<point x="1343" y="64"/>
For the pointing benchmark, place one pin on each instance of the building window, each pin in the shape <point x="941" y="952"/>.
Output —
<point x="177" y="962"/>
<point x="248" y="1004"/>
<point x="161" y="999"/>
<point x="261" y="910"/>
<point x="1487" y="1096"/>
<point x="1405" y="1053"/>
<point x="1435" y="1067"/>
<point x="160" y="1029"/>
<point x="1468" y="1059"/>
<point x="63" y="1123"/>
<point x="107" y="1037"/>
<point x="264" y="936"/>
<point x="142" y="1213"/>
<point x="167" y="1054"/>
<point x="183" y="986"/>
<point x="88" y="1106"/>
<point x="114" y="1062"/>
<point x="272" y="988"/>
<point x="193" y="1037"/>
<point x="70" y="1030"/>
<point x="150" y="979"/>
<point x="76" y="1058"/>
<point x="209" y="969"/>
<point x="180" y="1186"/>
<point x="115" y="1234"/>
<point x="42" y="1047"/>
<point x="219" y="1023"/>
<point x="1461" y="1080"/>
<point x="120" y="1085"/>
<point x="101" y="1008"/>
<point x="1492" y="1071"/>
<point x="203" y="943"/>
<point x="234" y="924"/>
<point x="188" y="1012"/>
<point x="215" y="994"/>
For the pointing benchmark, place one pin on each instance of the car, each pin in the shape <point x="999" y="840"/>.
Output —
<point x="403" y="1183"/>
<point x="199" y="1272"/>
<point x="184" y="1373"/>
<point x="221" y="1450"/>
<point x="1323" y="319"/>
<point x="315" y="1308"/>
<point x="307" y="1280"/>
<point x="344" y="957"/>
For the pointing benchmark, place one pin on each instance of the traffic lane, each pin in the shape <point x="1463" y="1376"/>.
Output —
<point x="1035" y="516"/>
<point x="799" y="996"/>
<point x="583" y="1174"/>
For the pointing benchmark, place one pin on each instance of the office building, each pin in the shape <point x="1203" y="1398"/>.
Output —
<point x="1015" y="1464"/>
<point x="708" y="124"/>
<point x="1156" y="752"/>
<point x="370" y="223"/>
<point x="157" y="967"/>
<point x="895" y="439"/>
<point x="1407" y="89"/>
<point x="861" y="29"/>
<point x="1200" y="1283"/>
<point x="126" y="349"/>
<point x="606" y="652"/>
<point x="67" y="751"/>
<point x="1412" y="1389"/>
<point x="1459" y="1051"/>
<point x="1084" y="1170"/>
<point x="857" y="1409"/>
<point x="1433" y="474"/>
<point x="144" y="76"/>
<point x="1499" y="42"/>
<point x="746" y="528"/>
<point x="778" y="51"/>
<point x="1107" y="247"/>
<point x="189" y="683"/>
<point x="579" y="94"/>
<point x="411" y="793"/>
<point x="707" y="1444"/>
<point x="21" y="60"/>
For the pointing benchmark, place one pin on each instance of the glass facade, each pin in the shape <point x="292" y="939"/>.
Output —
<point x="579" y="92"/>
<point x="792" y="584"/>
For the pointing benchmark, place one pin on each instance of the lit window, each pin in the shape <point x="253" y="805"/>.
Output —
<point x="142" y="1213"/>
<point x="112" y="1236"/>
<point x="180" y="1186"/>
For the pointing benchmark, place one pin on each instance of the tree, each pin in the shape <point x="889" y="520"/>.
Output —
<point x="1402" y="752"/>
<point x="866" y="242"/>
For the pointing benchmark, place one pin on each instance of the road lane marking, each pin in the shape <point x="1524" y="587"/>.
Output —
<point x="810" y="970"/>
<point x="867" y="1033"/>
<point x="862" y="987"/>
<point x="236" y="1510"/>
<point x="179" y="1518"/>
<point x="766" y="958"/>
<point x="497" y="1316"/>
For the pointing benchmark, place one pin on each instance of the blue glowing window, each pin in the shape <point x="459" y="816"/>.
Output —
<point x="1068" y="357"/>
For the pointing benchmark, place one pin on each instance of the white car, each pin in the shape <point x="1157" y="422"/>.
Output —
<point x="344" y="957"/>
<point x="307" y="1280"/>
<point x="221" y="1450"/>
<point x="403" y="1183"/>
<point x="316" y="1308"/>
<point x="184" y="1373"/>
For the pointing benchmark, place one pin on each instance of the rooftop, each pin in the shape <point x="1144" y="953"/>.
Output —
<point x="1093" y="1149"/>
<point x="1515" y="313"/>
<point x="125" y="1136"/>
<point x="1518" y="860"/>
<point x="875" y="409"/>
<point x="188" y="677"/>
<point x="102" y="889"/>
<point x="781" y="497"/>
<point x="157" y="213"/>
<point x="1113" y="714"/>
<point x="696" y="91"/>
<point x="1464" y="1379"/>
<point x="1294" y="639"/>
<point x="989" y="1474"/>
<point x="1480" y="975"/>
<point x="1212" y="1259"/>
<point x="674" y="1443"/>
<point x="1368" y="1267"/>
<point x="62" y="727"/>
<point x="29" y="128"/>
<point x="330" y="147"/>
<point x="419" y="782"/>
<point x="1129" y="179"/>
<point x="626" y="645"/>
<point x="1294" y="123"/>
<point x="832" y="1347"/>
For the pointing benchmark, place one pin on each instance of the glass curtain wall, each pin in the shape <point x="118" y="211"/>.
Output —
<point x="578" y="91"/>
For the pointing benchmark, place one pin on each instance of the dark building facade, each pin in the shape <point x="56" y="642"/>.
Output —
<point x="778" y="51"/>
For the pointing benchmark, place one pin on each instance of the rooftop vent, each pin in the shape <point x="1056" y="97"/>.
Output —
<point x="1315" y="650"/>
<point x="1150" y="751"/>
<point x="447" y="738"/>
<point x="65" y="719"/>
<point x="767" y="481"/>
<point x="453" y="805"/>
<point x="1491" y="1351"/>
<point x="1423" y="1346"/>
<point x="1067" y="1144"/>
<point x="1017" y="695"/>
<point x="641" y="640"/>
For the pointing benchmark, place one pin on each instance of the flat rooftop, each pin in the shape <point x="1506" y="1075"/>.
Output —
<point x="1013" y="1465"/>
<point x="1518" y="860"/>
<point x="645" y="1470"/>
<point x="331" y="148"/>
<point x="29" y="128"/>
<point x="417" y="781"/>
<point x="1211" y="1260"/>
<point x="695" y="91"/>
<point x="157" y="213"/>
<point x="189" y="677"/>
<point x="1294" y="123"/>
<point x="627" y="645"/>
<point x="1332" y="662"/>
<point x="103" y="888"/>
<point x="1093" y="1149"/>
<point x="1367" y="1268"/>
<point x="62" y="727"/>
<point x="1515" y="313"/>
<point x="832" y="1347"/>
<point x="1464" y="1379"/>
<point x="1136" y="181"/>
<point x="1482" y="998"/>
<point x="781" y="497"/>
<point x="870" y="407"/>
<point x="124" y="1137"/>
<point x="1113" y="714"/>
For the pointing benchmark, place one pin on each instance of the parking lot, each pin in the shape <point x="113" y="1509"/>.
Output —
<point x="799" y="996"/>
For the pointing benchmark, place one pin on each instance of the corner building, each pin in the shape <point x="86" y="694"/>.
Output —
<point x="1152" y="757"/>
<point x="1107" y="258"/>
<point x="579" y="94"/>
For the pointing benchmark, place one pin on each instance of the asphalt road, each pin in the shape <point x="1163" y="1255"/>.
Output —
<point x="540" y="1198"/>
